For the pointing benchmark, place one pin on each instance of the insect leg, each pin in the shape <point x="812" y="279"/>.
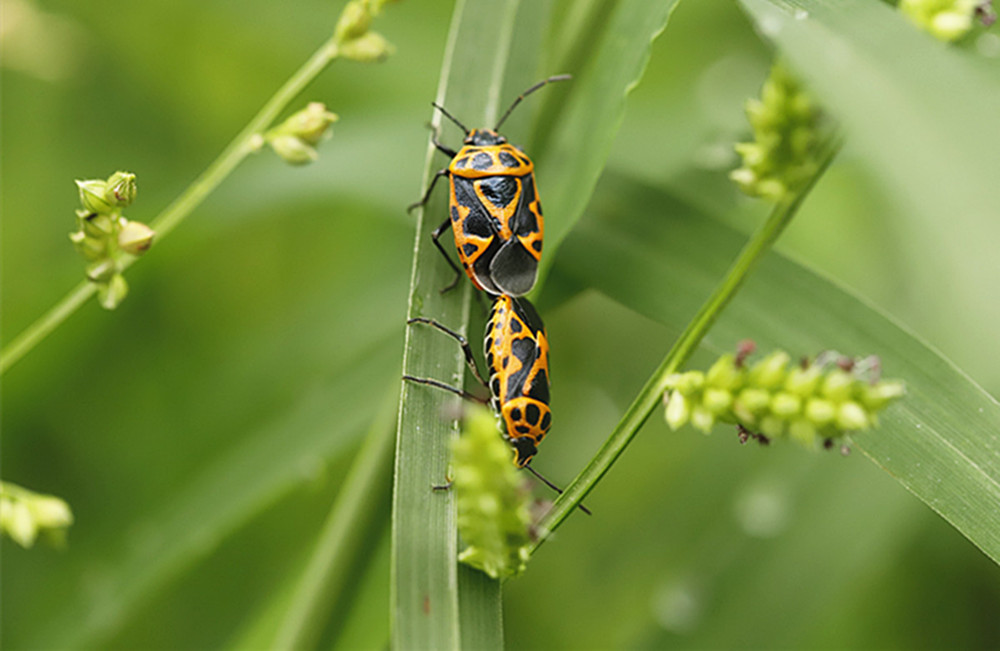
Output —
<point x="430" y="188"/>
<point x="447" y="151"/>
<point x="462" y="341"/>
<point x="434" y="236"/>
<point x="448" y="387"/>
<point x="555" y="488"/>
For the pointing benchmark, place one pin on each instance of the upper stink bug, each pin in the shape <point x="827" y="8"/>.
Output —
<point x="493" y="208"/>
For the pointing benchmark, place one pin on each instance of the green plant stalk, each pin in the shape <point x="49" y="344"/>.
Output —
<point x="241" y="146"/>
<point x="650" y="396"/>
<point x="350" y="530"/>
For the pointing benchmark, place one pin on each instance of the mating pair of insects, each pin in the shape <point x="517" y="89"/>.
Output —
<point x="498" y="227"/>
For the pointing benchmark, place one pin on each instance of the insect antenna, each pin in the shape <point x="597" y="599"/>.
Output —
<point x="528" y="92"/>
<point x="555" y="488"/>
<point x="450" y="116"/>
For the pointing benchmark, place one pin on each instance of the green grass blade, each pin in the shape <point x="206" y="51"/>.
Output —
<point x="352" y="527"/>
<point x="479" y="61"/>
<point x="661" y="258"/>
<point x="482" y="626"/>
<point x="575" y="153"/>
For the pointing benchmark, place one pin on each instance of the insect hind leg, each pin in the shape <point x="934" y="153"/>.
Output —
<point x="447" y="387"/>
<point x="462" y="341"/>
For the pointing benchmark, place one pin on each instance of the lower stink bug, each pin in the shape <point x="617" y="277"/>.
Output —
<point x="517" y="355"/>
<point x="493" y="207"/>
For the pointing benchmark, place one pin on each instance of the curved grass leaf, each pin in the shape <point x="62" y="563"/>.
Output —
<point x="661" y="258"/>
<point x="574" y="154"/>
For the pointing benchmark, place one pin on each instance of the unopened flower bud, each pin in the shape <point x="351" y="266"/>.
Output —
<point x="820" y="412"/>
<point x="837" y="385"/>
<point x="785" y="405"/>
<point x="293" y="150"/>
<point x="717" y="401"/>
<point x="51" y="512"/>
<point x="111" y="294"/>
<point x="120" y="190"/>
<point x="750" y="403"/>
<point x="96" y="225"/>
<point x="724" y="374"/>
<point x="946" y="20"/>
<point x="25" y="514"/>
<point x="702" y="419"/>
<point x="678" y="411"/>
<point x="90" y="248"/>
<point x="102" y="270"/>
<point x="368" y="48"/>
<point x="311" y="124"/>
<point x="92" y="196"/>
<point x="354" y="21"/>
<point x="770" y="371"/>
<point x="135" y="237"/>
<point x="17" y="522"/>
<point x="851" y="416"/>
<point x="876" y="396"/>
<point x="803" y="381"/>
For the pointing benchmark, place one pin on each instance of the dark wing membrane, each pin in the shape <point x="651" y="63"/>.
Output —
<point x="514" y="268"/>
<point x="524" y="222"/>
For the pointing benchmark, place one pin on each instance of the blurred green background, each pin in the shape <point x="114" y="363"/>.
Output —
<point x="201" y="430"/>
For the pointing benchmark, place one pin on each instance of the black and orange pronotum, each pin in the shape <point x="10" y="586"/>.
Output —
<point x="493" y="207"/>
<point x="517" y="355"/>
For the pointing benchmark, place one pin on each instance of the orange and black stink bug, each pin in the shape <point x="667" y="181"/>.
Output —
<point x="517" y="355"/>
<point x="494" y="210"/>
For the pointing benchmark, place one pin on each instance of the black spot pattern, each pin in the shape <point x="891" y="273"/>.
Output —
<point x="482" y="161"/>
<point x="546" y="421"/>
<point x="508" y="160"/>
<point x="532" y="413"/>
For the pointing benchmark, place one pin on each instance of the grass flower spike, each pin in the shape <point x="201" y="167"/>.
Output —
<point x="818" y="400"/>
<point x="784" y="153"/>
<point x="494" y="504"/>
<point x="104" y="236"/>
